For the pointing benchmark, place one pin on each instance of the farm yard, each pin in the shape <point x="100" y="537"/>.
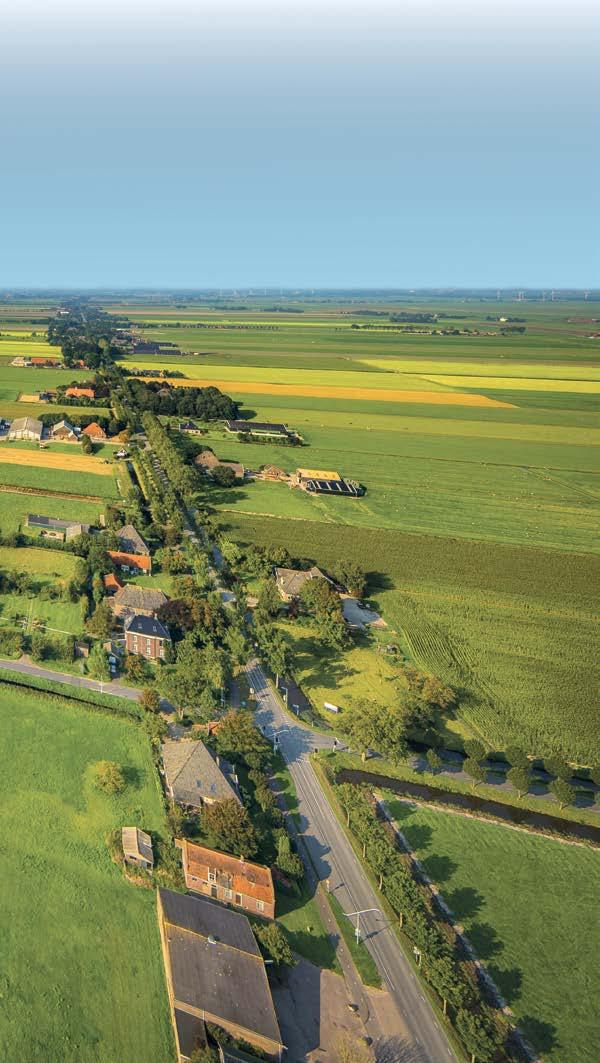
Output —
<point x="541" y="947"/>
<point x="83" y="980"/>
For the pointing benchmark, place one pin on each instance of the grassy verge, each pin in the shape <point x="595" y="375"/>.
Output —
<point x="112" y="703"/>
<point x="363" y="961"/>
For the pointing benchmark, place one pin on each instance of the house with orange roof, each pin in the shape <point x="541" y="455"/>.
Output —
<point x="80" y="393"/>
<point x="94" y="431"/>
<point x="131" y="562"/>
<point x="229" y="879"/>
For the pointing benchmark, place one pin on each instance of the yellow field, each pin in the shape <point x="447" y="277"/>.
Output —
<point x="512" y="383"/>
<point x="43" y="459"/>
<point x="251" y="387"/>
<point x="28" y="398"/>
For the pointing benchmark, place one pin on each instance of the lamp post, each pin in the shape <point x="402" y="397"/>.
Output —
<point x="363" y="911"/>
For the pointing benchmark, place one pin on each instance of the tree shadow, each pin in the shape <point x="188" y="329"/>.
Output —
<point x="418" y="836"/>
<point x="396" y="1049"/>
<point x="132" y="776"/>
<point x="465" y="902"/>
<point x="484" y="940"/>
<point x="541" y="1034"/>
<point x="509" y="982"/>
<point x="439" y="869"/>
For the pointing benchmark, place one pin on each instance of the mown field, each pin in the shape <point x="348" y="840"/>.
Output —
<point x="528" y="905"/>
<point x="82" y="977"/>
<point x="14" y="508"/>
<point x="48" y="470"/>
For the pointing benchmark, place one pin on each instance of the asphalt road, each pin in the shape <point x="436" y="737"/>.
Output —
<point x="334" y="859"/>
<point x="112" y="687"/>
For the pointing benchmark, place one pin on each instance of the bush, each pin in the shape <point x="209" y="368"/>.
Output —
<point x="109" y="777"/>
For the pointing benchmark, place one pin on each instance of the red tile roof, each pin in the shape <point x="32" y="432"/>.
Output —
<point x="253" y="880"/>
<point x="134" y="560"/>
<point x="81" y="393"/>
<point x="94" y="431"/>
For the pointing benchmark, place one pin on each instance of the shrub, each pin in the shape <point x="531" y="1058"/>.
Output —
<point x="109" y="777"/>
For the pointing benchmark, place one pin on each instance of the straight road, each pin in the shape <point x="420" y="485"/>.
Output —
<point x="335" y="860"/>
<point x="110" y="687"/>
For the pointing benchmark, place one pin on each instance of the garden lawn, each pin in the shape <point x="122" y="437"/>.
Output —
<point x="82" y="975"/>
<point x="529" y="908"/>
<point x="14" y="507"/>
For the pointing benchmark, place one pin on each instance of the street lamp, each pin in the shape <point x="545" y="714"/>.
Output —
<point x="363" y="911"/>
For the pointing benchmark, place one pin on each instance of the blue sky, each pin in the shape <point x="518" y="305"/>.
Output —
<point x="200" y="144"/>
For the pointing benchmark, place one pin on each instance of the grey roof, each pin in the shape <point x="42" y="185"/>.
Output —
<point x="193" y="774"/>
<point x="29" y="424"/>
<point x="215" y="964"/>
<point x="131" y="540"/>
<point x="63" y="424"/>
<point x="292" y="580"/>
<point x="137" y="843"/>
<point x="334" y="487"/>
<point x="133" y="597"/>
<point x="148" y="626"/>
<point x="38" y="520"/>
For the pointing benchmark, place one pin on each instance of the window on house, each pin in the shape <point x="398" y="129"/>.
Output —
<point x="260" y="906"/>
<point x="148" y="646"/>
<point x="228" y="894"/>
<point x="161" y="649"/>
<point x="212" y="876"/>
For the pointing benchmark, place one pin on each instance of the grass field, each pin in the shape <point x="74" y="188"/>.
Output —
<point x="509" y="627"/>
<point x="50" y="470"/>
<point x="82" y="976"/>
<point x="14" y="508"/>
<point x="46" y="568"/>
<point x="528" y="905"/>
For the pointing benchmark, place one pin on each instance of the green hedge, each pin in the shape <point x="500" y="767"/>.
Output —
<point x="108" y="702"/>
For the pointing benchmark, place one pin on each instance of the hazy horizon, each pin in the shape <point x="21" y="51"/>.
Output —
<point x="210" y="145"/>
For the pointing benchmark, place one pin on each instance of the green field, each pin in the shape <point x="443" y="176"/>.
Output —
<point x="509" y="627"/>
<point x="82" y="976"/>
<point x="47" y="568"/>
<point x="529" y="907"/>
<point x="14" y="508"/>
<point x="62" y="480"/>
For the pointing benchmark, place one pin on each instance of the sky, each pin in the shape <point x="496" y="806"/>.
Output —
<point x="202" y="144"/>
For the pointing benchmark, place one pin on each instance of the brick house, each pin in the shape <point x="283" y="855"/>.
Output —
<point x="63" y="430"/>
<point x="228" y="879"/>
<point x="94" y="431"/>
<point x="145" y="636"/>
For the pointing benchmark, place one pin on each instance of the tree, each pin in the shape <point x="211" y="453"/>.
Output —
<point x="372" y="725"/>
<point x="443" y="974"/>
<point x="352" y="576"/>
<point x="475" y="749"/>
<point x="109" y="777"/>
<point x="478" y="1034"/>
<point x="475" y="770"/>
<point x="150" y="699"/>
<point x="204" y="1054"/>
<point x="269" y="600"/>
<point x="563" y="792"/>
<point x="595" y="774"/>
<point x="238" y="737"/>
<point x="273" y="944"/>
<point x="98" y="665"/>
<point x="287" y="860"/>
<point x="230" y="827"/>
<point x="136" y="668"/>
<point x="223" y="475"/>
<point x="517" y="757"/>
<point x="434" y="761"/>
<point x="559" y="767"/>
<point x="520" y="779"/>
<point x="101" y="622"/>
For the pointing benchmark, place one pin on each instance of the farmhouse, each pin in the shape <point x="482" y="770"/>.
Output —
<point x="80" y="393"/>
<point x="228" y="879"/>
<point x="21" y="362"/>
<point x="215" y="973"/>
<point x="63" y="430"/>
<point x="46" y="363"/>
<point x="258" y="428"/>
<point x="131" y="599"/>
<point x="209" y="461"/>
<point x="26" y="428"/>
<point x="94" y="431"/>
<point x="51" y="528"/>
<point x="131" y="541"/>
<point x="194" y="777"/>
<point x="145" y="636"/>
<point x="131" y="562"/>
<point x="137" y="848"/>
<point x="272" y="472"/>
<point x="190" y="427"/>
<point x="290" y="581"/>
